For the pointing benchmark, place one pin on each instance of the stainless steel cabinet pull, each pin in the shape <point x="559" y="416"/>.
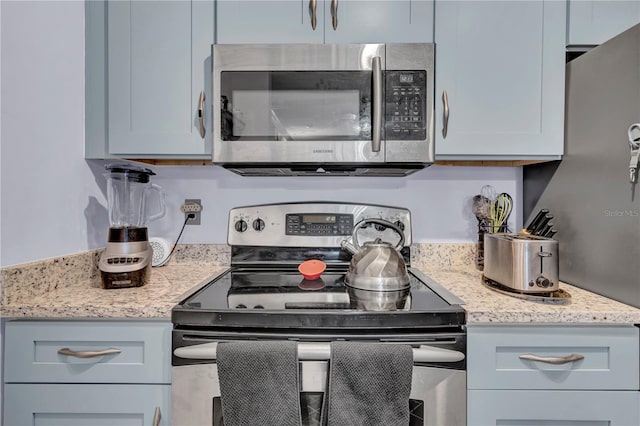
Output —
<point x="201" y="114"/>
<point x="156" y="417"/>
<point x="88" y="354"/>
<point x="376" y="120"/>
<point x="445" y="114"/>
<point x="553" y="360"/>
<point x="334" y="14"/>
<point x="313" y="4"/>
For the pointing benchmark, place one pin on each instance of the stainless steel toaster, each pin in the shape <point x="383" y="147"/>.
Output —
<point x="524" y="263"/>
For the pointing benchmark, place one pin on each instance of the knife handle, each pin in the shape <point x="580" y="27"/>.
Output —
<point x="544" y="231"/>
<point x="542" y="224"/>
<point x="536" y="220"/>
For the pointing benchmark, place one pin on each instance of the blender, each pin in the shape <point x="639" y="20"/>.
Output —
<point x="126" y="261"/>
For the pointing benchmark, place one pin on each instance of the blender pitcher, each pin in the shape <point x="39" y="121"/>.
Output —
<point x="128" y="191"/>
<point x="126" y="262"/>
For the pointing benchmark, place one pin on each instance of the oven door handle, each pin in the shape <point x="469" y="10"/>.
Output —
<point x="322" y="352"/>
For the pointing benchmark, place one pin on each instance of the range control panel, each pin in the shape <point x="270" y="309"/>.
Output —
<point x="315" y="224"/>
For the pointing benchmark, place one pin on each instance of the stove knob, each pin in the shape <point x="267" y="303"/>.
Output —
<point x="241" y="225"/>
<point x="258" y="224"/>
<point x="543" y="282"/>
<point x="399" y="224"/>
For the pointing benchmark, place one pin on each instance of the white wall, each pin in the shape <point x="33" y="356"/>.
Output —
<point x="45" y="181"/>
<point x="53" y="200"/>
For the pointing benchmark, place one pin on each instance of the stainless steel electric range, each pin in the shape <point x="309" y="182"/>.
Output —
<point x="263" y="296"/>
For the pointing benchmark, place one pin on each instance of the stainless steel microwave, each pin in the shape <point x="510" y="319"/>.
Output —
<point x="323" y="109"/>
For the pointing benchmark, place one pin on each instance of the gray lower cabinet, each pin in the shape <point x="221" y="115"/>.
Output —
<point x="86" y="405"/>
<point x="336" y="21"/>
<point x="553" y="375"/>
<point x="87" y="373"/>
<point x="148" y="79"/>
<point x="500" y="79"/>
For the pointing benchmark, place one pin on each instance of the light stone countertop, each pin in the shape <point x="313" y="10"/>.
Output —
<point x="484" y="305"/>
<point x="86" y="299"/>
<point x="72" y="290"/>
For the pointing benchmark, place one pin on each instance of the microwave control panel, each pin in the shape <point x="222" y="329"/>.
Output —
<point x="406" y="105"/>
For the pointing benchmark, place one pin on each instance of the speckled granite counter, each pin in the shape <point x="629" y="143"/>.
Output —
<point x="484" y="305"/>
<point x="69" y="287"/>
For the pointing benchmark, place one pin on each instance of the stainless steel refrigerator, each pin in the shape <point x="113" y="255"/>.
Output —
<point x="596" y="208"/>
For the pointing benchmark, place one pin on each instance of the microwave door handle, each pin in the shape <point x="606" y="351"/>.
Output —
<point x="376" y="125"/>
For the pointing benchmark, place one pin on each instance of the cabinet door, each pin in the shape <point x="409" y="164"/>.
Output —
<point x="594" y="22"/>
<point x="86" y="405"/>
<point x="260" y="21"/>
<point x="375" y="21"/>
<point x="552" y="408"/>
<point x="502" y="67"/>
<point x="159" y="64"/>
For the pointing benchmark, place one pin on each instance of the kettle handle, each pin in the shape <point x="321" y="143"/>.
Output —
<point x="385" y="223"/>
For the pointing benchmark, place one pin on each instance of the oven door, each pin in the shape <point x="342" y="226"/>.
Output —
<point x="298" y="103"/>
<point x="438" y="393"/>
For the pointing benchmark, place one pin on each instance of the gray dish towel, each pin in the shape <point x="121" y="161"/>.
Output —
<point x="369" y="384"/>
<point x="259" y="383"/>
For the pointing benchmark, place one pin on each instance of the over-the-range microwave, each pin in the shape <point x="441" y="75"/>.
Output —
<point x="323" y="109"/>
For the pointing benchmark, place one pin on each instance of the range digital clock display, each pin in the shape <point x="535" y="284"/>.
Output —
<point x="316" y="218"/>
<point x="319" y="224"/>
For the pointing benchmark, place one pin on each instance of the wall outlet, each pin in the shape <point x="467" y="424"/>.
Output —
<point x="191" y="207"/>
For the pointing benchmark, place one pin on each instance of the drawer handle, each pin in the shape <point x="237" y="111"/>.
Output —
<point x="88" y="354"/>
<point x="553" y="360"/>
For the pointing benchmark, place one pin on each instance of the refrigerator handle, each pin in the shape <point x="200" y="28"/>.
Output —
<point x="634" y="144"/>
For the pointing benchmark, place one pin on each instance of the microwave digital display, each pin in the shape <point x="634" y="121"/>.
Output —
<point x="406" y="78"/>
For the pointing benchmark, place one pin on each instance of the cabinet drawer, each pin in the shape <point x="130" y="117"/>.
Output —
<point x="610" y="357"/>
<point x="86" y="405"/>
<point x="32" y="352"/>
<point x="552" y="408"/>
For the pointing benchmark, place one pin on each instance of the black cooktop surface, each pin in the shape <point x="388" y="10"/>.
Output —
<point x="269" y="298"/>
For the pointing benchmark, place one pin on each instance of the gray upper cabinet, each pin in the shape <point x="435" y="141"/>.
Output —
<point x="336" y="21"/>
<point x="499" y="79"/>
<point x="259" y="21"/>
<point x="157" y="80"/>
<point x="593" y="22"/>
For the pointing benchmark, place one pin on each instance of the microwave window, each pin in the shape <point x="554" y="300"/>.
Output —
<point x="296" y="106"/>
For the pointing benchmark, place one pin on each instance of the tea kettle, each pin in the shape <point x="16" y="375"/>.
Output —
<point x="377" y="265"/>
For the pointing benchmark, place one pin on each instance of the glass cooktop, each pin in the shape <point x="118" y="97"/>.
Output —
<point x="250" y="297"/>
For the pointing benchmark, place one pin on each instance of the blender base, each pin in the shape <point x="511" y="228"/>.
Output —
<point x="127" y="279"/>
